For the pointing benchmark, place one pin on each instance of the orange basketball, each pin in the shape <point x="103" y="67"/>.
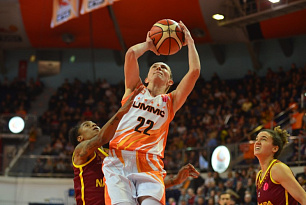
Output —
<point x="167" y="36"/>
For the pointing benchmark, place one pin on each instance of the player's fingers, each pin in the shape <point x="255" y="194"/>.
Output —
<point x="184" y="29"/>
<point x="152" y="46"/>
<point x="195" y="172"/>
<point x="148" y="36"/>
<point x="182" y="25"/>
<point x="190" y="166"/>
<point x="192" y="169"/>
<point x="186" y="167"/>
<point x="193" y="175"/>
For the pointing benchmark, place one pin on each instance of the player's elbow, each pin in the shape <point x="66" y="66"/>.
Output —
<point x="195" y="73"/>
<point x="130" y="54"/>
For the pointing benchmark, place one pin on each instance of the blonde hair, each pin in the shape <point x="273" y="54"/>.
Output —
<point x="279" y="137"/>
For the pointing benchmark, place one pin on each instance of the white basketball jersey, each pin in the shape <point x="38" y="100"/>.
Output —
<point x="145" y="126"/>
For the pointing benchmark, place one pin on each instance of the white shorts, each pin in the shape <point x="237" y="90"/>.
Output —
<point x="130" y="174"/>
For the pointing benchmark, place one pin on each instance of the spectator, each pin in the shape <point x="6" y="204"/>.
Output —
<point x="224" y="198"/>
<point x="251" y="188"/>
<point x="200" y="194"/>
<point x="171" y="201"/>
<point x="211" y="201"/>
<point x="200" y="201"/>
<point x="240" y="190"/>
<point x="301" y="174"/>
<point x="248" y="199"/>
<point x="209" y="179"/>
<point x="296" y="121"/>
<point x="32" y="137"/>
<point x="191" y="196"/>
<point x="203" y="160"/>
<point x="183" y="197"/>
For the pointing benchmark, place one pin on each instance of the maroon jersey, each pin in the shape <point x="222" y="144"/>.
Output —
<point x="270" y="192"/>
<point x="88" y="182"/>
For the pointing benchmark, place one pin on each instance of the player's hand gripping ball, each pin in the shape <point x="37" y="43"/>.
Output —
<point x="167" y="36"/>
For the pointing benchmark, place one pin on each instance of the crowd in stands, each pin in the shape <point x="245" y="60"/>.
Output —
<point x="70" y="104"/>
<point x="217" y="112"/>
<point x="240" y="184"/>
<point x="16" y="95"/>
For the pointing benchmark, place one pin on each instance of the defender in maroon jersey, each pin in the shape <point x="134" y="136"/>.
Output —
<point x="87" y="138"/>
<point x="88" y="182"/>
<point x="275" y="182"/>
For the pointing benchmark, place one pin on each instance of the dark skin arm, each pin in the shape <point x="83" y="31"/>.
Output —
<point x="87" y="148"/>
<point x="182" y="175"/>
<point x="185" y="172"/>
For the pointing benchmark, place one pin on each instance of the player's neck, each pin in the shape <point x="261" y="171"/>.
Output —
<point x="156" y="90"/>
<point x="265" y="163"/>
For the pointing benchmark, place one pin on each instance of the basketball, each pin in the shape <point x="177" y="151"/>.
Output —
<point x="167" y="36"/>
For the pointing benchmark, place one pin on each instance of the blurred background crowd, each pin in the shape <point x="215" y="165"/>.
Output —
<point x="217" y="112"/>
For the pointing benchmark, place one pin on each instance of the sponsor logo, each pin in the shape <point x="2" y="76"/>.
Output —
<point x="266" y="186"/>
<point x="95" y="3"/>
<point x="149" y="108"/>
<point x="63" y="15"/>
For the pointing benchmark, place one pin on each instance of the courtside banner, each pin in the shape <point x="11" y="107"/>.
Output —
<point x="64" y="10"/>
<point x="90" y="5"/>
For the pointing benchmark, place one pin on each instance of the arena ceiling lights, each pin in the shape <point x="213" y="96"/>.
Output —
<point x="218" y="17"/>
<point x="274" y="1"/>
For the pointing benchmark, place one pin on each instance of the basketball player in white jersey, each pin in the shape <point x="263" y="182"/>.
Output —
<point x="134" y="171"/>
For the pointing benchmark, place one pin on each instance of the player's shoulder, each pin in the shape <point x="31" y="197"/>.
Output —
<point x="79" y="148"/>
<point x="280" y="166"/>
<point x="279" y="171"/>
<point x="171" y="95"/>
<point x="129" y="91"/>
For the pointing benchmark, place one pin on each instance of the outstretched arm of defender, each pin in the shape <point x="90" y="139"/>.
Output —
<point x="107" y="131"/>
<point x="187" y="83"/>
<point x="185" y="172"/>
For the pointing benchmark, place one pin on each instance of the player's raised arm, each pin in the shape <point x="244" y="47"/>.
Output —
<point x="131" y="67"/>
<point x="186" y="85"/>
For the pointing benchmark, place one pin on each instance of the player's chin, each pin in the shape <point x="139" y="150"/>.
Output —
<point x="158" y="78"/>
<point x="257" y="153"/>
